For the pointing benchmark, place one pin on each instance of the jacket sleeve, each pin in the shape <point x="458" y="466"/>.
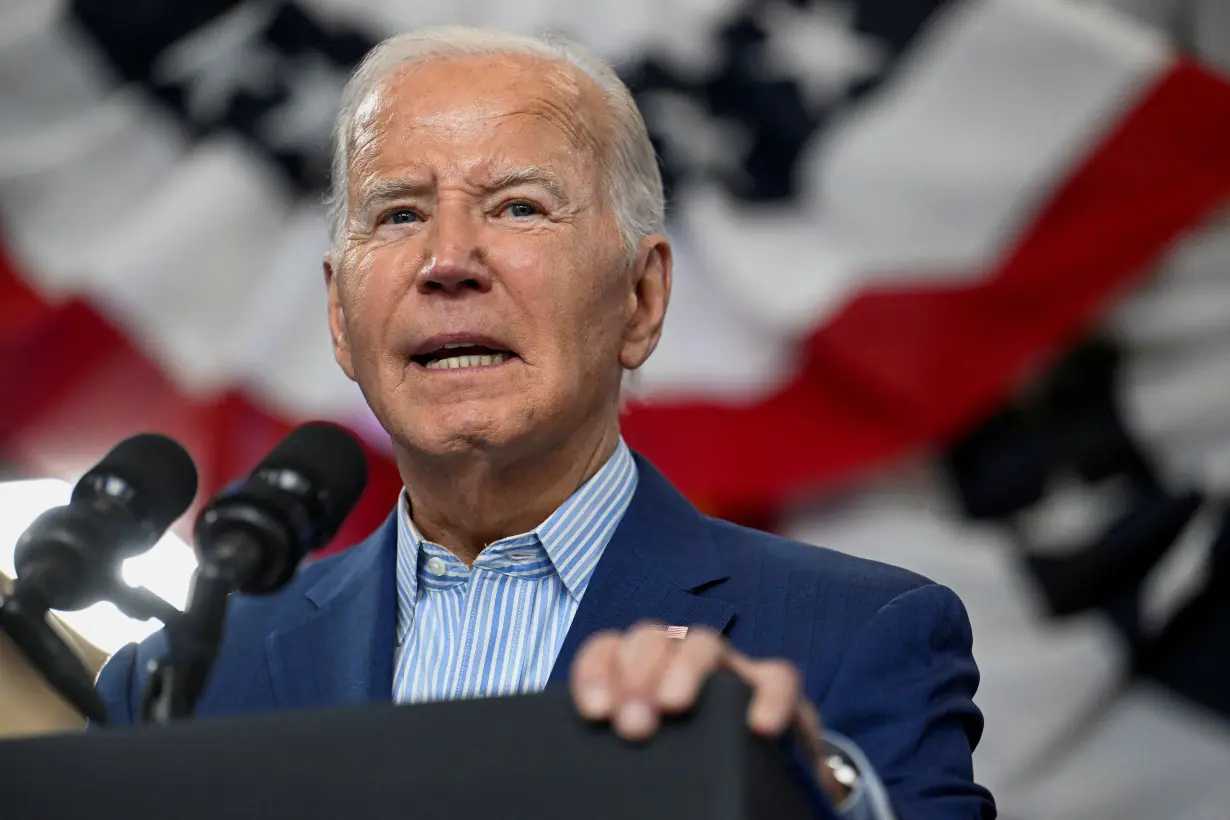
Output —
<point x="904" y="694"/>
<point x="117" y="686"/>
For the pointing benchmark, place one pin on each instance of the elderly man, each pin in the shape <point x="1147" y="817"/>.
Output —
<point x="498" y="265"/>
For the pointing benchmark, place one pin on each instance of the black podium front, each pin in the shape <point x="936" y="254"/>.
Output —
<point x="515" y="757"/>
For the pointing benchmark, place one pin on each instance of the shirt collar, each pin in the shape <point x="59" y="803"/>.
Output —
<point x="573" y="537"/>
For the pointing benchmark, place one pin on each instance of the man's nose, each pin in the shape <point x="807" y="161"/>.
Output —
<point x="455" y="264"/>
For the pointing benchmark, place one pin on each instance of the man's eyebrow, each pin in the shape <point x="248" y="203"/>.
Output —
<point x="528" y="175"/>
<point x="383" y="189"/>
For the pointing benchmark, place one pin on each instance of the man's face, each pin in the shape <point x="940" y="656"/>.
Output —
<point x="483" y="296"/>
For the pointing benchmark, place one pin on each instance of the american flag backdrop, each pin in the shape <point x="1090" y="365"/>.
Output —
<point x="951" y="292"/>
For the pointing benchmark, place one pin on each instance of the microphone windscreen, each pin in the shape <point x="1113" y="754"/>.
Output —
<point x="157" y="468"/>
<point x="331" y="460"/>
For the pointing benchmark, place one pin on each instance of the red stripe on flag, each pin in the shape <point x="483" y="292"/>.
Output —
<point x="899" y="369"/>
<point x="21" y="308"/>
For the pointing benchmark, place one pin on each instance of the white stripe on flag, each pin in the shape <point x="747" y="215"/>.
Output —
<point x="187" y="279"/>
<point x="1175" y="383"/>
<point x="709" y="346"/>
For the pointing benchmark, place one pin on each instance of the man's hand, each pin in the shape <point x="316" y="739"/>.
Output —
<point x="634" y="678"/>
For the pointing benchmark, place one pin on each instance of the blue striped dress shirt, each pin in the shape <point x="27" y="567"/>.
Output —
<point x="496" y="629"/>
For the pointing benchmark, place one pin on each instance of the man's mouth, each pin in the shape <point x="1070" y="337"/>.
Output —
<point x="461" y="355"/>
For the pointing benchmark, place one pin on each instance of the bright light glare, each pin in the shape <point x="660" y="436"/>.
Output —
<point x="166" y="569"/>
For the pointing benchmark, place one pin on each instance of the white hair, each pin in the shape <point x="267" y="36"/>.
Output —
<point x="632" y="177"/>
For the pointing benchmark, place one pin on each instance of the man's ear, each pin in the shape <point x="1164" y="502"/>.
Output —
<point x="651" y="292"/>
<point x="337" y="320"/>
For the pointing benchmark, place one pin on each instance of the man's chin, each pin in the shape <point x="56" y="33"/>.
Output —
<point x="459" y="431"/>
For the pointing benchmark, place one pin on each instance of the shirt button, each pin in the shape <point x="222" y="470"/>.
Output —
<point x="436" y="566"/>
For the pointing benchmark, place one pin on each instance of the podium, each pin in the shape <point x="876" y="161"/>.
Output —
<point x="526" y="756"/>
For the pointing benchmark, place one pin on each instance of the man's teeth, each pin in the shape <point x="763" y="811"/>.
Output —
<point x="453" y="362"/>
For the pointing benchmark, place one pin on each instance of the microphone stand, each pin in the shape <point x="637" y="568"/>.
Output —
<point x="176" y="682"/>
<point x="23" y="617"/>
<point x="140" y="604"/>
<point x="28" y="629"/>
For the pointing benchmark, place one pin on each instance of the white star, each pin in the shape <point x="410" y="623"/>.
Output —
<point x="819" y="48"/>
<point x="305" y="120"/>
<point x="702" y="143"/>
<point x="220" y="59"/>
<point x="682" y="33"/>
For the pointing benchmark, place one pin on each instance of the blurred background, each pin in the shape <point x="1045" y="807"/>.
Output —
<point x="952" y="292"/>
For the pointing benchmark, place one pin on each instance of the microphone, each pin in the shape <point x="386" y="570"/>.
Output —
<point x="70" y="557"/>
<point x="293" y="502"/>
<point x="251" y="538"/>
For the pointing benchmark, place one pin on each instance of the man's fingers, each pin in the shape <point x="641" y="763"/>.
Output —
<point x="689" y="667"/>
<point x="640" y="661"/>
<point x="776" y="691"/>
<point x="633" y="678"/>
<point x="643" y="655"/>
<point x="593" y="678"/>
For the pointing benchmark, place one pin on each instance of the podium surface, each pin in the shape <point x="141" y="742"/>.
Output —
<point x="514" y="757"/>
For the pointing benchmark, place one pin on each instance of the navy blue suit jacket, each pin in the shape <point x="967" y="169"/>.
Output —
<point x="885" y="653"/>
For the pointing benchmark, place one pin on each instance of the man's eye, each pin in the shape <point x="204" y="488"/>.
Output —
<point x="402" y="216"/>
<point x="520" y="210"/>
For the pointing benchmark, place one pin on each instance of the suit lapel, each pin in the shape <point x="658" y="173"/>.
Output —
<point x="343" y="652"/>
<point x="660" y="556"/>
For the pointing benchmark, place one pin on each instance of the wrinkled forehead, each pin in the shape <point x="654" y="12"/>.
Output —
<point x="488" y="105"/>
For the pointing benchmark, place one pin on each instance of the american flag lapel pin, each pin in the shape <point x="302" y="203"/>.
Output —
<point x="676" y="632"/>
